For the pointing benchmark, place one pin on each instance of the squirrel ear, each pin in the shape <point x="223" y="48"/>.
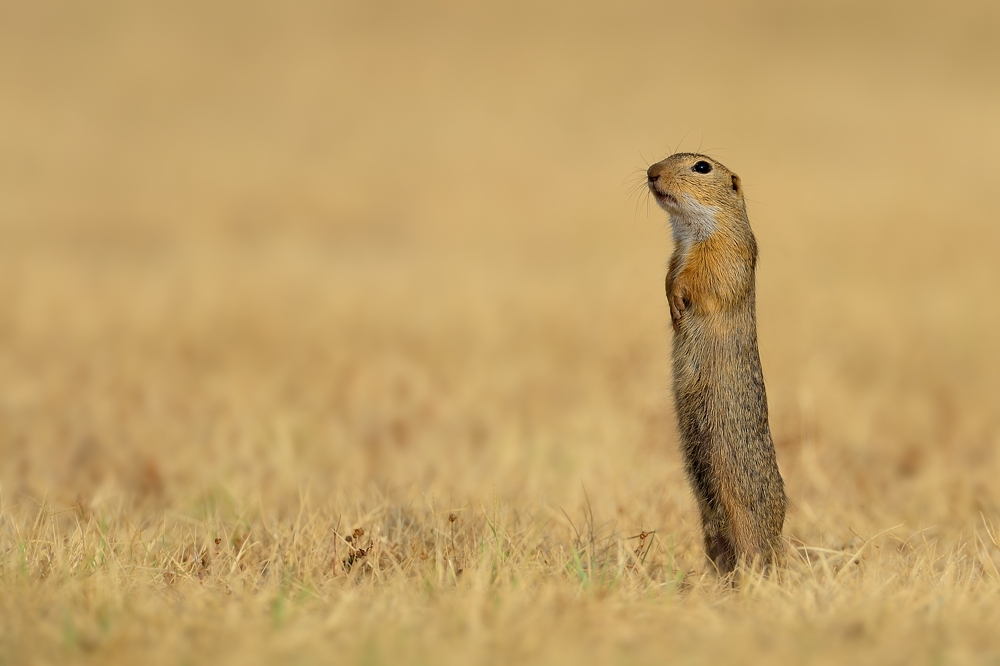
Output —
<point x="736" y="184"/>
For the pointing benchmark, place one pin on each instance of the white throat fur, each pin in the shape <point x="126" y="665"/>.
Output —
<point x="691" y="222"/>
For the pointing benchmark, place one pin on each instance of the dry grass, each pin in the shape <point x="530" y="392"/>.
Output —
<point x="269" y="276"/>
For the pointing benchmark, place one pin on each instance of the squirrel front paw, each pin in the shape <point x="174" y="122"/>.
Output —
<point x="678" y="304"/>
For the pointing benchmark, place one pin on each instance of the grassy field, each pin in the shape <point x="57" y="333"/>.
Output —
<point x="335" y="333"/>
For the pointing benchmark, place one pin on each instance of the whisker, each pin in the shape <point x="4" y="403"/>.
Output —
<point x="639" y="182"/>
<point x="637" y="173"/>
<point x="637" y="193"/>
<point x="677" y="148"/>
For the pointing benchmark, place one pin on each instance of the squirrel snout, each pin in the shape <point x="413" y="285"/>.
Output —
<point x="650" y="176"/>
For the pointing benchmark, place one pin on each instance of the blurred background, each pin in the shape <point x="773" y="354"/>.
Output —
<point x="271" y="246"/>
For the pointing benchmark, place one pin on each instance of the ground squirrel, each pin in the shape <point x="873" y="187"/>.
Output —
<point x="718" y="383"/>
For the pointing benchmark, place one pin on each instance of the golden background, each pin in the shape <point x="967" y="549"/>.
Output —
<point x="374" y="264"/>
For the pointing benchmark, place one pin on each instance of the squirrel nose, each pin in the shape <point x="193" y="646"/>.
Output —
<point x="650" y="177"/>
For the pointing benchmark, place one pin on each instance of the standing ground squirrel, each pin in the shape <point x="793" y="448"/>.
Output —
<point x="718" y="383"/>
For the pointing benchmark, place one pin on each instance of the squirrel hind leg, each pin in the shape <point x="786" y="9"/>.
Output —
<point x="757" y="547"/>
<point x="720" y="550"/>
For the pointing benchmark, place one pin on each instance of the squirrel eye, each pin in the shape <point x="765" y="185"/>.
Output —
<point x="701" y="166"/>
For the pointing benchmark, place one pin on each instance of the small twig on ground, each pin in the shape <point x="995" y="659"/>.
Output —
<point x="857" y="555"/>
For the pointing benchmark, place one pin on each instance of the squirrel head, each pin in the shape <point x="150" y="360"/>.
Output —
<point x="701" y="195"/>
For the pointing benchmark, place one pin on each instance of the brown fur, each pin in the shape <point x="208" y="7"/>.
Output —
<point x="718" y="384"/>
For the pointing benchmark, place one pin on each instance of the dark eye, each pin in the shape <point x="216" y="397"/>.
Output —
<point x="701" y="167"/>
